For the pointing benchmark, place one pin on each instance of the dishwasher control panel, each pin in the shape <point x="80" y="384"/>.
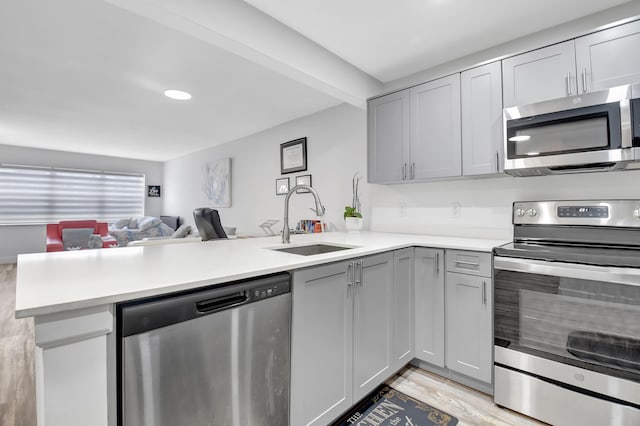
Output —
<point x="270" y="290"/>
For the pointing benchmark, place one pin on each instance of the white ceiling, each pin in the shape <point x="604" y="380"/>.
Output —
<point x="88" y="75"/>
<point x="392" y="39"/>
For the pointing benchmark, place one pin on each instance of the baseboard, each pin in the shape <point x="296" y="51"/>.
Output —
<point x="8" y="259"/>
<point x="456" y="377"/>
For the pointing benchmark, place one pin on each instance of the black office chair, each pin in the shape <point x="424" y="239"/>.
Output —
<point x="208" y="224"/>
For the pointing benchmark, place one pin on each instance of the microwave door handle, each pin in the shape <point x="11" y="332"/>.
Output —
<point x="610" y="274"/>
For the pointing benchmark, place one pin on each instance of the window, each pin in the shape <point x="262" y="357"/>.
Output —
<point x="41" y="195"/>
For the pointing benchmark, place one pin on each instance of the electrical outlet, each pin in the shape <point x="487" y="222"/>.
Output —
<point x="455" y="209"/>
<point x="403" y="209"/>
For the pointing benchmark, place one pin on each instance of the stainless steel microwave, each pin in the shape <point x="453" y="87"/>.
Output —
<point x="585" y="133"/>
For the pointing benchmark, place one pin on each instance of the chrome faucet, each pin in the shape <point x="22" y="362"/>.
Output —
<point x="319" y="210"/>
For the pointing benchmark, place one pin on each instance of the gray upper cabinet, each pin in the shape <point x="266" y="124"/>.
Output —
<point x="481" y="95"/>
<point x="388" y="133"/>
<point x="540" y="75"/>
<point x="435" y="129"/>
<point x="609" y="58"/>
<point x="403" y="309"/>
<point x="429" y="305"/>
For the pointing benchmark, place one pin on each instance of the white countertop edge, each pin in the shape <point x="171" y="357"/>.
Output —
<point x="378" y="243"/>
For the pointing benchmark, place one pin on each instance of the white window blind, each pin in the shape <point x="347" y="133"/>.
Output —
<point x="42" y="195"/>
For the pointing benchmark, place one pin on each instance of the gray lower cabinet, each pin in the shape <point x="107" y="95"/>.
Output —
<point x="403" y="307"/>
<point x="429" y="305"/>
<point x="342" y="334"/>
<point x="468" y="321"/>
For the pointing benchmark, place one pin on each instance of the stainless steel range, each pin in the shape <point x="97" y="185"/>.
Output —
<point x="567" y="313"/>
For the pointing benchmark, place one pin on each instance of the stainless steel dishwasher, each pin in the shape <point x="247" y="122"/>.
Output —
<point x="218" y="356"/>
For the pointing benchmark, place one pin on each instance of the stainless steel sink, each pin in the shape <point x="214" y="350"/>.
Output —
<point x="310" y="250"/>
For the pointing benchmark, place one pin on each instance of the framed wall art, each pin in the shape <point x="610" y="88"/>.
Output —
<point x="282" y="186"/>
<point x="303" y="180"/>
<point x="216" y="183"/>
<point x="293" y="156"/>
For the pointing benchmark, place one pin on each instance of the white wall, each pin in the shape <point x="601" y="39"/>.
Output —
<point x="485" y="204"/>
<point x="16" y="239"/>
<point x="336" y="144"/>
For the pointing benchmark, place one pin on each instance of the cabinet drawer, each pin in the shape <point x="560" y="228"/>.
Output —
<point x="469" y="262"/>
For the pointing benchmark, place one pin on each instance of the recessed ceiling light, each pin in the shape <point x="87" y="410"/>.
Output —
<point x="178" y="95"/>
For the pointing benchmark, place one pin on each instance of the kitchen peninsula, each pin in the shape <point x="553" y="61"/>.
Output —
<point x="72" y="297"/>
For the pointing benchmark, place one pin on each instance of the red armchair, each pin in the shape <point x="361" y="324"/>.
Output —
<point x="54" y="233"/>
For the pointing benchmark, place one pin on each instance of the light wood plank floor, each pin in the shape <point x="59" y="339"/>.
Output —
<point x="17" y="369"/>
<point x="17" y="383"/>
<point x="468" y="405"/>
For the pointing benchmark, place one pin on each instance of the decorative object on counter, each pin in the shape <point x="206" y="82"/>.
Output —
<point x="303" y="180"/>
<point x="153" y="190"/>
<point x="309" y="226"/>
<point x="352" y="216"/>
<point x="216" y="185"/>
<point x="208" y="224"/>
<point x="282" y="186"/>
<point x="95" y="241"/>
<point x="386" y="406"/>
<point x="266" y="226"/>
<point x="293" y="156"/>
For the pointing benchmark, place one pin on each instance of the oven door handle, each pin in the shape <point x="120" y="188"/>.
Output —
<point x="628" y="276"/>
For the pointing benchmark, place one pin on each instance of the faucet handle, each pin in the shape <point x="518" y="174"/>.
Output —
<point x="317" y="212"/>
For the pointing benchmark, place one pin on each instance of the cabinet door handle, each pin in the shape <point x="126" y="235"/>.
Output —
<point x="584" y="80"/>
<point x="358" y="273"/>
<point x="569" y="83"/>
<point x="413" y="170"/>
<point x="350" y="274"/>
<point x="404" y="171"/>
<point x="497" y="162"/>
<point x="437" y="263"/>
<point x="484" y="292"/>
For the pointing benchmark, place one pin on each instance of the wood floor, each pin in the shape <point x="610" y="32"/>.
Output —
<point x="468" y="405"/>
<point x="17" y="369"/>
<point x="17" y="383"/>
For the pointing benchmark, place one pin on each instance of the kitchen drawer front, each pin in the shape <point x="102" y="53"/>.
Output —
<point x="469" y="262"/>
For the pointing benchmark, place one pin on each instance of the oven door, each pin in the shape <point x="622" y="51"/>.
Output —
<point x="577" y="133"/>
<point x="552" y="314"/>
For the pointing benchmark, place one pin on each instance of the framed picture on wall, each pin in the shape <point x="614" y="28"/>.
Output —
<point x="303" y="180"/>
<point x="282" y="186"/>
<point x="293" y="156"/>
<point x="153" y="190"/>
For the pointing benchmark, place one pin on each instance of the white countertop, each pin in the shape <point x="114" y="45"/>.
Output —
<point x="62" y="281"/>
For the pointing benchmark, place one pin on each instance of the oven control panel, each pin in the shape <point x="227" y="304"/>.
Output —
<point x="601" y="212"/>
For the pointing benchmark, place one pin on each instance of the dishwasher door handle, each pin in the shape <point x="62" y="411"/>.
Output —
<point x="223" y="302"/>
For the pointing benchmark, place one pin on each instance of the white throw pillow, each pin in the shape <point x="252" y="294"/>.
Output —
<point x="74" y="238"/>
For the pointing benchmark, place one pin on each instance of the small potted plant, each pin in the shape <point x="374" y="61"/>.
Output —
<point x="352" y="216"/>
